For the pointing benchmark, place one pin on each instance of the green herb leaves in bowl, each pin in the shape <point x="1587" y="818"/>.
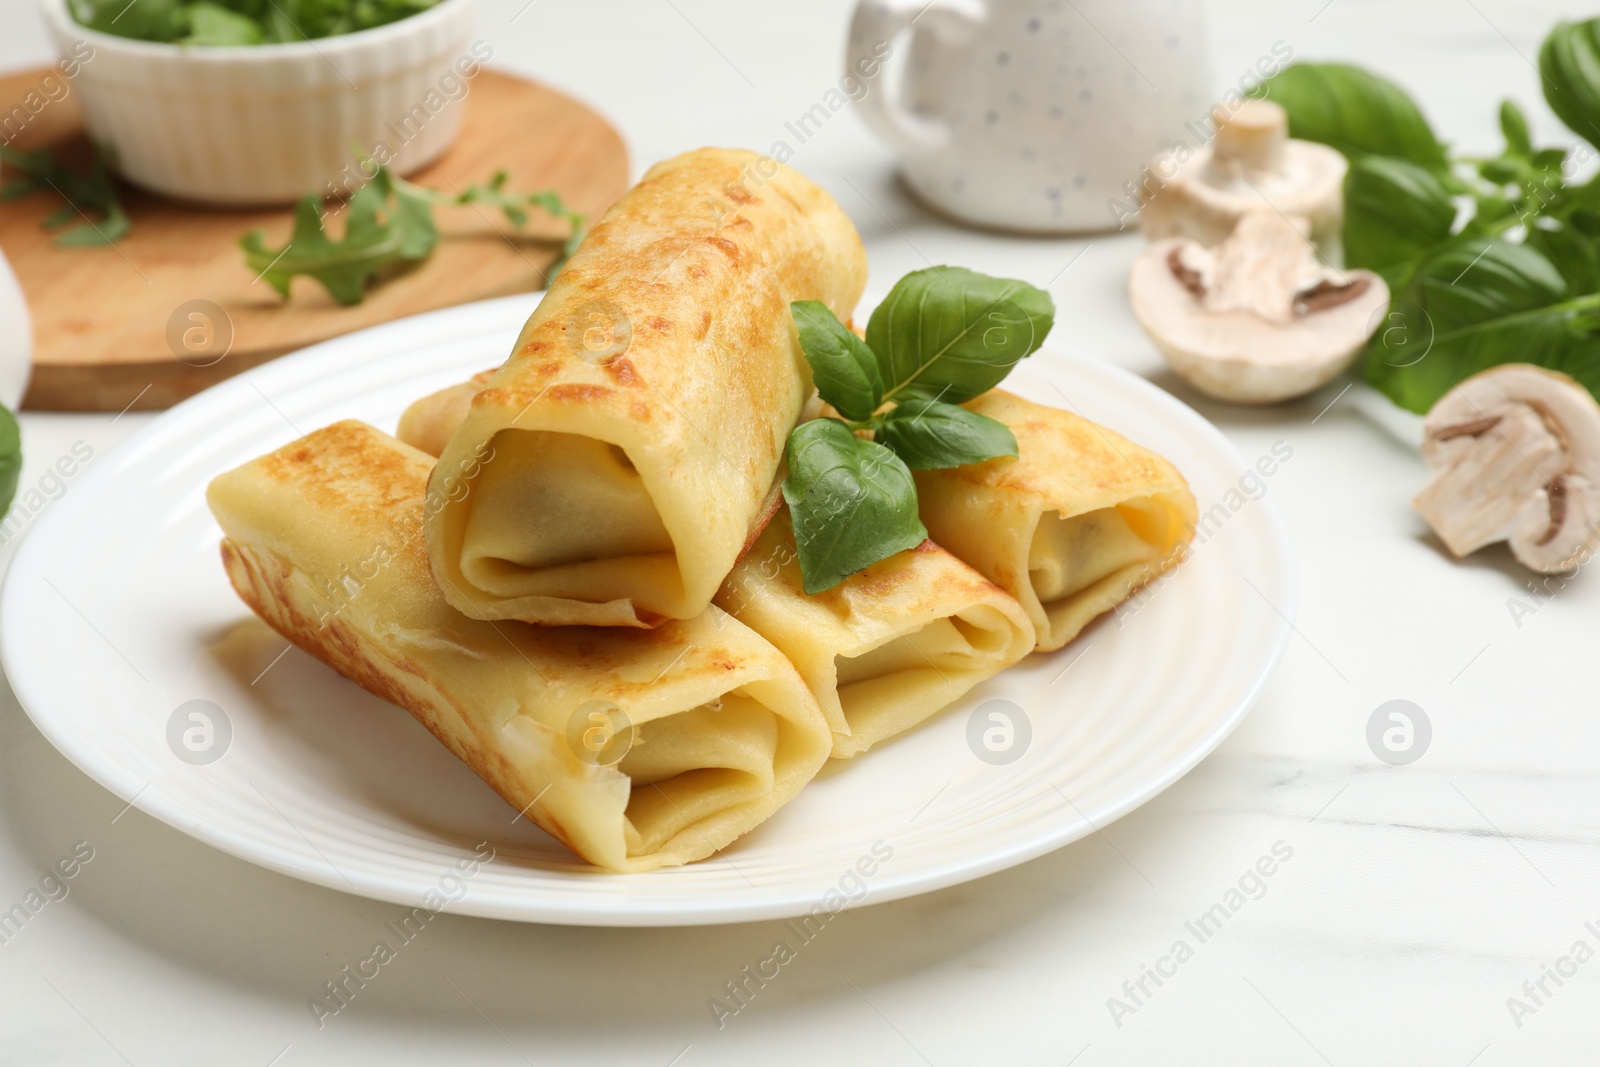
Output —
<point x="942" y="336"/>
<point x="222" y="23"/>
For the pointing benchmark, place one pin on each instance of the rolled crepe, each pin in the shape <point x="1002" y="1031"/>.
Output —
<point x="323" y="539"/>
<point x="882" y="651"/>
<point x="889" y="646"/>
<point x="636" y="430"/>
<point x="1071" y="526"/>
<point x="429" y="423"/>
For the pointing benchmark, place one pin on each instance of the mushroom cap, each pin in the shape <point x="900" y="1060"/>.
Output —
<point x="1515" y="455"/>
<point x="1245" y="323"/>
<point x="1251" y="162"/>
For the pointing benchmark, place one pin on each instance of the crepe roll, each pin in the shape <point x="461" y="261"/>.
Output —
<point x="889" y="646"/>
<point x="636" y="430"/>
<point x="638" y="749"/>
<point x="429" y="423"/>
<point x="1070" y="526"/>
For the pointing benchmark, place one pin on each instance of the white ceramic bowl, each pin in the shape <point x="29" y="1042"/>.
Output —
<point x="268" y="123"/>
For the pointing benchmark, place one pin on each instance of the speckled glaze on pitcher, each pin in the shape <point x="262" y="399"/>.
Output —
<point x="1032" y="114"/>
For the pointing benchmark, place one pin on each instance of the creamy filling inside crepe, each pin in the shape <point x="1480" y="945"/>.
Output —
<point x="889" y="646"/>
<point x="904" y="678"/>
<point x="557" y="502"/>
<point x="1071" y="526"/>
<point x="681" y="765"/>
<point x="1069" y="555"/>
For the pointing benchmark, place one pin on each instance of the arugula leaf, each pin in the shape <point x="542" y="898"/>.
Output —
<point x="10" y="458"/>
<point x="148" y="20"/>
<point x="514" y="206"/>
<point x="92" y="193"/>
<point x="214" y="25"/>
<point x="1477" y="304"/>
<point x="955" y="333"/>
<point x="1394" y="212"/>
<point x="845" y="369"/>
<point x="930" y="434"/>
<point x="1354" y="111"/>
<point x="388" y="227"/>
<point x="852" y="502"/>
<point x="385" y="229"/>
<point x="1569" y="74"/>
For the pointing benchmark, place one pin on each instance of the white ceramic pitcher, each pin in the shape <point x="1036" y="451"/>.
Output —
<point x="1032" y="114"/>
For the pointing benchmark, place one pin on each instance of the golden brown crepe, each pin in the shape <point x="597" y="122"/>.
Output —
<point x="889" y="646"/>
<point x="429" y="423"/>
<point x="1070" y="527"/>
<point x="323" y="539"/>
<point x="624" y="454"/>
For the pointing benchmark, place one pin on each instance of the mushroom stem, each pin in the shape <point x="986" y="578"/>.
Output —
<point x="1253" y="134"/>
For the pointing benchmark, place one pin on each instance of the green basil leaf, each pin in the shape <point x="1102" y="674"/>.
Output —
<point x="1573" y="255"/>
<point x="852" y="502"/>
<point x="1569" y="74"/>
<point x="10" y="458"/>
<point x="930" y="435"/>
<point x="1514" y="127"/>
<point x="845" y="370"/>
<point x="1500" y="171"/>
<point x="954" y="332"/>
<point x="1474" y="305"/>
<point x="1550" y="159"/>
<point x="1394" y="211"/>
<point x="1354" y="111"/>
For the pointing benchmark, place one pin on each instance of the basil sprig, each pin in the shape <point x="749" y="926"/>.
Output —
<point x="941" y="337"/>
<point x="1489" y="260"/>
<point x="1518" y="308"/>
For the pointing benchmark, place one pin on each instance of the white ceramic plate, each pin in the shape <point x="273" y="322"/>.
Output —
<point x="116" y="612"/>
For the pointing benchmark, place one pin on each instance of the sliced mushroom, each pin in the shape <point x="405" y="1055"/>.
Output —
<point x="1257" y="319"/>
<point x="1515" y="454"/>
<point x="1202" y="193"/>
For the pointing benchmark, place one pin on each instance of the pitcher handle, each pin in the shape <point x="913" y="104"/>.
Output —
<point x="875" y="24"/>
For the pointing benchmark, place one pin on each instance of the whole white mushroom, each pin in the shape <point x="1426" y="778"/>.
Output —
<point x="1250" y="164"/>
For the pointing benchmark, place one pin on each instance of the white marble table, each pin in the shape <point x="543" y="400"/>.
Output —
<point x="1417" y="899"/>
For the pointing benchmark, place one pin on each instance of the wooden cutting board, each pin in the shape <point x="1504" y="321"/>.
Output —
<point x="102" y="316"/>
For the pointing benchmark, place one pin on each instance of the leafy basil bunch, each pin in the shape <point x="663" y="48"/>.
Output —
<point x="1489" y="260"/>
<point x="942" y="336"/>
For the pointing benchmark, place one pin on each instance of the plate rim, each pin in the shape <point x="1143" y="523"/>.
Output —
<point x="32" y="692"/>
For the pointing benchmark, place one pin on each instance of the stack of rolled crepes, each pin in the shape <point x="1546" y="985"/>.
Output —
<point x="593" y="596"/>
